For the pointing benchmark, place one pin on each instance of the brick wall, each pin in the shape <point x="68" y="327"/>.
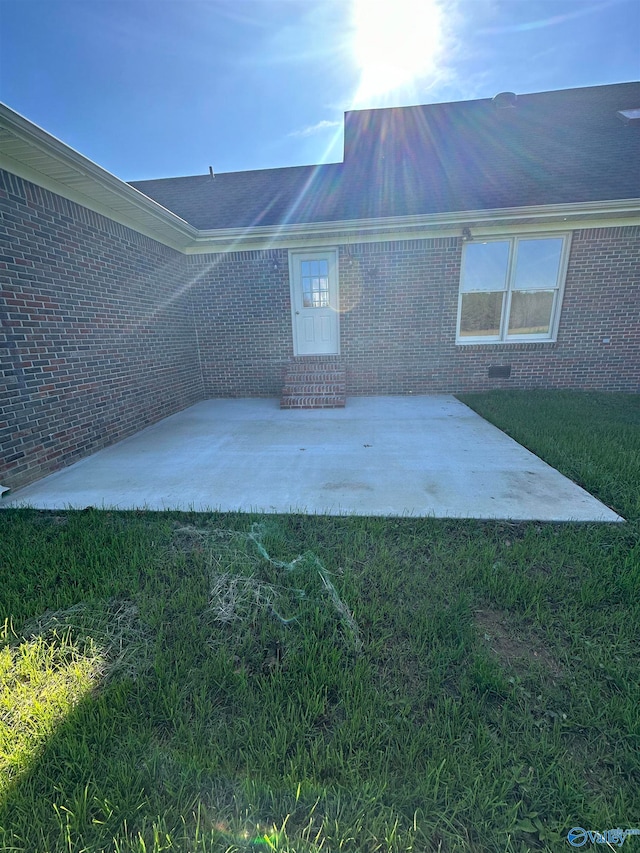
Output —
<point x="398" y="321"/>
<point x="410" y="291"/>
<point x="242" y="306"/>
<point x="406" y="291"/>
<point x="99" y="336"/>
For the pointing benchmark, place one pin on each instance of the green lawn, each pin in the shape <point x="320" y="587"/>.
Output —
<point x="218" y="682"/>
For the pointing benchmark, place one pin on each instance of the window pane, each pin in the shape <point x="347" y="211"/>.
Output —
<point x="315" y="292"/>
<point x="538" y="264"/>
<point x="315" y="283"/>
<point x="485" y="266"/>
<point x="531" y="312"/>
<point x="480" y="315"/>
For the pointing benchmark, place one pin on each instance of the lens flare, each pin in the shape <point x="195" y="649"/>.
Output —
<point x="396" y="42"/>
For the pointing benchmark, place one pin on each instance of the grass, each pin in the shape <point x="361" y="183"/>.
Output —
<point x="220" y="682"/>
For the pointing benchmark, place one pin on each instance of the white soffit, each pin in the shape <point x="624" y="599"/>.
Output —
<point x="34" y="155"/>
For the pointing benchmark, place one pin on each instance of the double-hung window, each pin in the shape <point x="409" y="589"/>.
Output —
<point x="511" y="289"/>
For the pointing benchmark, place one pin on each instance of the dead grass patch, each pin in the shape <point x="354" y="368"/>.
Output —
<point x="246" y="582"/>
<point x="515" y="648"/>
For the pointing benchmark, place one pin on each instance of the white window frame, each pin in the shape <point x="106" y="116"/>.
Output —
<point x="504" y="337"/>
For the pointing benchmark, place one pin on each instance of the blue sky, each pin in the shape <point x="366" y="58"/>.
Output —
<point x="159" y="88"/>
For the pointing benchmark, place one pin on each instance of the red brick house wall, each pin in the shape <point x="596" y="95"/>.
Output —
<point x="412" y="290"/>
<point x="242" y="308"/>
<point x="98" y="334"/>
<point x="398" y="321"/>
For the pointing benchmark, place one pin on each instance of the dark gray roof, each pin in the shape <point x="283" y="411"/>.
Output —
<point x="551" y="148"/>
<point x="242" y="199"/>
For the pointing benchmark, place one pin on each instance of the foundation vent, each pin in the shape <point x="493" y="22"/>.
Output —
<point x="500" y="371"/>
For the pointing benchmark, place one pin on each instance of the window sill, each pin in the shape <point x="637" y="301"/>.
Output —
<point x="530" y="344"/>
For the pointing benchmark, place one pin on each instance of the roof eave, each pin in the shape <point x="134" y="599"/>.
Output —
<point x="31" y="153"/>
<point x="539" y="217"/>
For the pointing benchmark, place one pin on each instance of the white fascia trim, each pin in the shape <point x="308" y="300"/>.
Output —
<point x="24" y="130"/>
<point x="483" y="222"/>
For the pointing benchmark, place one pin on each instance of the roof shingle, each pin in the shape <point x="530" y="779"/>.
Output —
<point x="566" y="146"/>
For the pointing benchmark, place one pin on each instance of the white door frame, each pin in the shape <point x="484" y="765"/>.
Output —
<point x="295" y="256"/>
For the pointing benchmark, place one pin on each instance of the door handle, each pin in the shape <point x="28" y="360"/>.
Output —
<point x="297" y="312"/>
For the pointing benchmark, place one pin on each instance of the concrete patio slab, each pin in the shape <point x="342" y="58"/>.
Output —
<point x="413" y="456"/>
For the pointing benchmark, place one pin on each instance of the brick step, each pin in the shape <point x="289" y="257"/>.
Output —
<point x="314" y="388"/>
<point x="309" y="359"/>
<point x="314" y="383"/>
<point x="312" y="401"/>
<point x="329" y="367"/>
<point x="316" y="377"/>
<point x="318" y="370"/>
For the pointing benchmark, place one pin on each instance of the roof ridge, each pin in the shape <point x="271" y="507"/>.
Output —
<point x="572" y="89"/>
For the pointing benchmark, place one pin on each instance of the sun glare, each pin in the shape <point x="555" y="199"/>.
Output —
<point x="396" y="42"/>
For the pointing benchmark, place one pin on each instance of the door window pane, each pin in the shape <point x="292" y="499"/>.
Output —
<point x="538" y="264"/>
<point x="315" y="283"/>
<point x="531" y="312"/>
<point x="481" y="314"/>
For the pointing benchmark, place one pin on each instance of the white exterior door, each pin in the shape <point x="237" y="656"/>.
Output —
<point x="314" y="302"/>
